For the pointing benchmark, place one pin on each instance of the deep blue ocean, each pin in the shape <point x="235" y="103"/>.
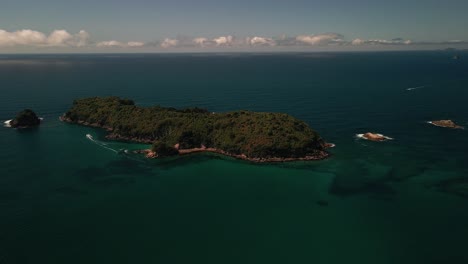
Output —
<point x="67" y="199"/>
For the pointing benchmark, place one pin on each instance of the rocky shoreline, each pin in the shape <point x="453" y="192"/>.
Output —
<point x="319" y="155"/>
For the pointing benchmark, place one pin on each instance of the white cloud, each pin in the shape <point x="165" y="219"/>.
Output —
<point x="118" y="44"/>
<point x="397" y="41"/>
<point x="320" y="39"/>
<point x="135" y="44"/>
<point x="358" y="42"/>
<point x="223" y="41"/>
<point x="201" y="41"/>
<point x="22" y="37"/>
<point x="110" y="43"/>
<point x="388" y="42"/>
<point x="217" y="41"/>
<point x="28" y="37"/>
<point x="59" y="38"/>
<point x="82" y="38"/>
<point x="167" y="43"/>
<point x="261" y="41"/>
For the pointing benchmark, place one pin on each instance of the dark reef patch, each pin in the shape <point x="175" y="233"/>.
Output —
<point x="456" y="186"/>
<point x="70" y="190"/>
<point x="92" y="173"/>
<point x="322" y="203"/>
<point x="127" y="166"/>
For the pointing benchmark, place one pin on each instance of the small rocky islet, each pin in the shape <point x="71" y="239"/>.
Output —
<point x="446" y="123"/>
<point x="373" y="137"/>
<point x="24" y="119"/>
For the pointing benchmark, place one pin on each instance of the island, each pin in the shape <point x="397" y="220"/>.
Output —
<point x="25" y="119"/>
<point x="373" y="137"/>
<point x="247" y="135"/>
<point x="445" y="123"/>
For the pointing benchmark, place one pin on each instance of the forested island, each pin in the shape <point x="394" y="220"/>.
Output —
<point x="253" y="136"/>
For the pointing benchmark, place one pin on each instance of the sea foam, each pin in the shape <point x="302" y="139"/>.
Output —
<point x="7" y="123"/>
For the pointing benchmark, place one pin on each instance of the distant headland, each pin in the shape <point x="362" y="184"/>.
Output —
<point x="247" y="135"/>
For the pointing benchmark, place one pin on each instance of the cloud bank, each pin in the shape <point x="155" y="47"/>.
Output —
<point x="118" y="44"/>
<point x="28" y="37"/>
<point x="63" y="39"/>
<point x="396" y="41"/>
<point x="261" y="41"/>
<point x="321" y="39"/>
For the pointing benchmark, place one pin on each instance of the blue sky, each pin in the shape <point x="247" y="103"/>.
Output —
<point x="180" y="21"/>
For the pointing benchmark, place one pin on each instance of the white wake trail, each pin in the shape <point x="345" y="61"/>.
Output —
<point x="414" y="88"/>
<point x="101" y="144"/>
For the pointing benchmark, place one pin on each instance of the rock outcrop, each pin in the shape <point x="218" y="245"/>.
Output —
<point x="25" y="119"/>
<point x="446" y="123"/>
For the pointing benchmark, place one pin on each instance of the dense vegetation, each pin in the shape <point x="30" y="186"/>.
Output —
<point x="25" y="118"/>
<point x="254" y="134"/>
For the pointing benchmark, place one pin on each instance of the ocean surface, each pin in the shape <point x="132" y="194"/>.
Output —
<point x="65" y="198"/>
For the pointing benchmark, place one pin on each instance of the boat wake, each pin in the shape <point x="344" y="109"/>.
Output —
<point x="101" y="144"/>
<point x="125" y="152"/>
<point x="414" y="88"/>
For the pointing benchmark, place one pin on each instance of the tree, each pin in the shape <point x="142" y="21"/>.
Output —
<point x="164" y="150"/>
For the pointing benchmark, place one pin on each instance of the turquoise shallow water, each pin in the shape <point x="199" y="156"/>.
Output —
<point x="66" y="199"/>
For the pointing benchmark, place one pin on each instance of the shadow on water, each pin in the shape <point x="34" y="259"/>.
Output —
<point x="121" y="171"/>
<point x="70" y="190"/>
<point x="401" y="173"/>
<point x="371" y="172"/>
<point x="112" y="181"/>
<point x="363" y="174"/>
<point x="127" y="166"/>
<point x="28" y="129"/>
<point x="361" y="177"/>
<point x="456" y="186"/>
<point x="92" y="174"/>
<point x="196" y="158"/>
<point x="181" y="161"/>
<point x="6" y="196"/>
<point x="102" y="177"/>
